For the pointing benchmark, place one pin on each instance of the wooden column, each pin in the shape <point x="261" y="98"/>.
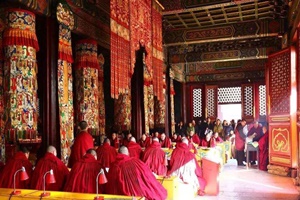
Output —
<point x="47" y="81"/>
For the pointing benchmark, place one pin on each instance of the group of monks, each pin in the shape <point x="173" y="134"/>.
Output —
<point x="130" y="171"/>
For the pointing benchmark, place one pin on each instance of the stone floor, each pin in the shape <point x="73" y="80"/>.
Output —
<point x="240" y="183"/>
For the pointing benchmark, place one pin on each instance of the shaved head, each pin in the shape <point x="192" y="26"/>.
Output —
<point x="184" y="140"/>
<point x="132" y="139"/>
<point x="155" y="139"/>
<point x="123" y="150"/>
<point x="92" y="152"/>
<point x="52" y="149"/>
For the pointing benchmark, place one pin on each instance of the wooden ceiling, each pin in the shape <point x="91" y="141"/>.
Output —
<point x="205" y="34"/>
<point x="226" y="12"/>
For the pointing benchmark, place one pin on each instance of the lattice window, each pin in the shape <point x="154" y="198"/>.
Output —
<point x="229" y="95"/>
<point x="211" y="102"/>
<point x="197" y="102"/>
<point x="262" y="100"/>
<point x="280" y="83"/>
<point x="248" y="100"/>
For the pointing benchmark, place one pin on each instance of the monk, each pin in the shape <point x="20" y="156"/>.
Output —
<point x="134" y="148"/>
<point x="165" y="141"/>
<point x="82" y="143"/>
<point x="184" y="165"/>
<point x="126" y="140"/>
<point x="155" y="158"/>
<point x="254" y="134"/>
<point x="215" y="139"/>
<point x="19" y="160"/>
<point x="194" y="138"/>
<point x="130" y="176"/>
<point x="83" y="175"/>
<point x="144" y="142"/>
<point x="48" y="162"/>
<point x="106" y="154"/>
<point x="263" y="145"/>
<point x="114" y="142"/>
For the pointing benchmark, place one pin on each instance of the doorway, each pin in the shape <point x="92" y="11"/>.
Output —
<point x="229" y="111"/>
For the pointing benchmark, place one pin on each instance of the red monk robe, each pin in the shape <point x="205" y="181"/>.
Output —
<point x="106" y="154"/>
<point x="154" y="157"/>
<point x="181" y="156"/>
<point x="7" y="177"/>
<point x="83" y="175"/>
<point x="144" y="142"/>
<point x="82" y="143"/>
<point x="164" y="141"/>
<point x="194" y="138"/>
<point x="131" y="177"/>
<point x="60" y="171"/>
<point x="134" y="149"/>
<point x="264" y="150"/>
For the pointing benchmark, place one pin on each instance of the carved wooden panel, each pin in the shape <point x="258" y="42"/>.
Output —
<point x="282" y="99"/>
<point x="280" y="83"/>
<point x="248" y="101"/>
<point x="211" y="101"/>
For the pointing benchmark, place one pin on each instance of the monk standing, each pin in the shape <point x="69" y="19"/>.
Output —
<point x="155" y="158"/>
<point x="184" y="165"/>
<point x="131" y="177"/>
<point x="83" y="175"/>
<point x="106" y="154"/>
<point x="264" y="150"/>
<point x="134" y="148"/>
<point x="48" y="162"/>
<point x="19" y="160"/>
<point x="82" y="143"/>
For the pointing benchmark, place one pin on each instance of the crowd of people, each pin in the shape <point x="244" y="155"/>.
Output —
<point x="130" y="165"/>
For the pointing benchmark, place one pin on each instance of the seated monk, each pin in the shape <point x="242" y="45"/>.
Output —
<point x="215" y="139"/>
<point x="164" y="141"/>
<point x="83" y="175"/>
<point x="131" y="177"/>
<point x="114" y="142"/>
<point x="106" y="154"/>
<point x="82" y="143"/>
<point x="126" y="140"/>
<point x="194" y="138"/>
<point x="48" y="162"/>
<point x="19" y="160"/>
<point x="176" y="138"/>
<point x="134" y="148"/>
<point x="155" y="158"/>
<point x="144" y="142"/>
<point x="184" y="165"/>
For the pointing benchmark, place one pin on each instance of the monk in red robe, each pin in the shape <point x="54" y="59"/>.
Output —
<point x="130" y="176"/>
<point x="45" y="164"/>
<point x="264" y="150"/>
<point x="194" y="138"/>
<point x="134" y="148"/>
<point x="165" y="141"/>
<point x="183" y="164"/>
<point x="106" y="154"/>
<point x="82" y="143"/>
<point x="83" y="175"/>
<point x="19" y="160"/>
<point x="240" y="138"/>
<point x="155" y="158"/>
<point x="126" y="140"/>
<point x="114" y="142"/>
<point x="215" y="139"/>
<point x="144" y="142"/>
